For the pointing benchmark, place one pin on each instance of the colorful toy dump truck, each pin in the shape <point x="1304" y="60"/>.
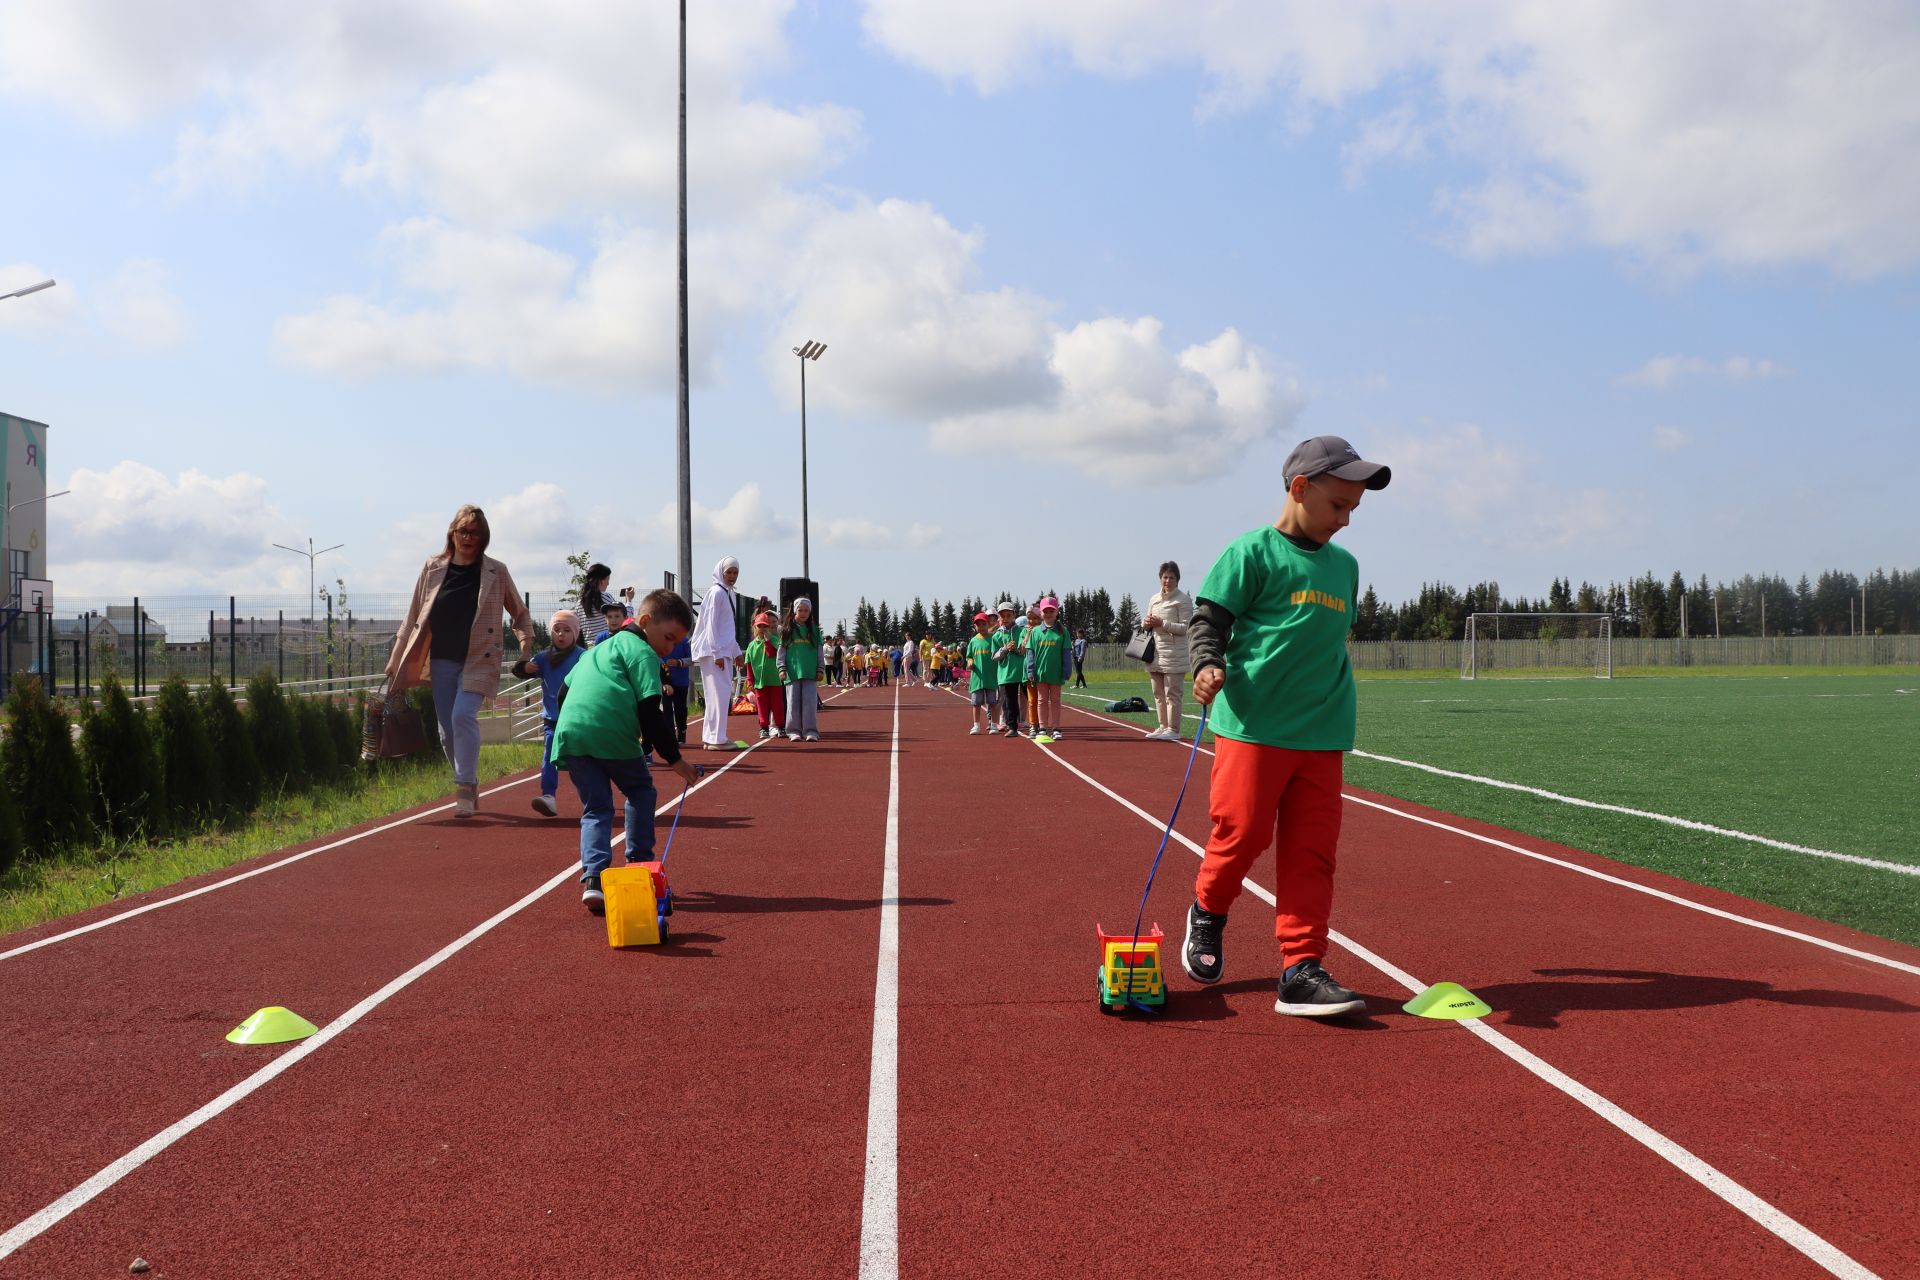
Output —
<point x="1130" y="970"/>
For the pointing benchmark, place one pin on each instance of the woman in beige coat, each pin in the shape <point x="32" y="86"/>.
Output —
<point x="451" y="640"/>
<point x="1167" y="616"/>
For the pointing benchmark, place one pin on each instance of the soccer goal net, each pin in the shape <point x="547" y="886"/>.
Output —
<point x="1537" y="645"/>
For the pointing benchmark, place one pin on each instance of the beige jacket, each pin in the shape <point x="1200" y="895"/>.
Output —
<point x="1170" y="640"/>
<point x="410" y="662"/>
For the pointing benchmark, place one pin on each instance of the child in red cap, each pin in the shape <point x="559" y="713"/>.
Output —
<point x="764" y="677"/>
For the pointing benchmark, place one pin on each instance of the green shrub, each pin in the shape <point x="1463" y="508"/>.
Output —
<point x="343" y="724"/>
<point x="275" y="736"/>
<point x="10" y="841"/>
<point x="420" y="698"/>
<point x="321" y="763"/>
<point x="233" y="749"/>
<point x="123" y="766"/>
<point x="41" y="771"/>
<point x="188" y="765"/>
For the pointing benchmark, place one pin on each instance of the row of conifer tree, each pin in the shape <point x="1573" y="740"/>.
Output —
<point x="190" y="763"/>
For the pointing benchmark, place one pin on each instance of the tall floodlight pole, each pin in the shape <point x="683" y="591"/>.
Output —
<point x="682" y="437"/>
<point x="311" y="556"/>
<point x="23" y="292"/>
<point x="808" y="350"/>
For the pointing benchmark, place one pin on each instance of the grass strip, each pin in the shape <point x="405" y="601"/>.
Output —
<point x="44" y="890"/>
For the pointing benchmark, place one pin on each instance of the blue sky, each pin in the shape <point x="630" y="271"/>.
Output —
<point x="1086" y="272"/>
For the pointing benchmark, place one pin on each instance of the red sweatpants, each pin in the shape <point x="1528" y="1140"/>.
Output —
<point x="1263" y="795"/>
<point x="771" y="702"/>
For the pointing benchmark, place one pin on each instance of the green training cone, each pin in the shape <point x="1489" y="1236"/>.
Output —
<point x="1447" y="1000"/>
<point x="272" y="1025"/>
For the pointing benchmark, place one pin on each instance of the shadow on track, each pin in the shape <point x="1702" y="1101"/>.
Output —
<point x="1209" y="1004"/>
<point x="741" y="904"/>
<point x="1541" y="1004"/>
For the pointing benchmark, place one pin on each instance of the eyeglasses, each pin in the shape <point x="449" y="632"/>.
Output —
<point x="466" y="531"/>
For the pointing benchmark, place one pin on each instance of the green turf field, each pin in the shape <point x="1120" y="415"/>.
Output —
<point x="1830" y="761"/>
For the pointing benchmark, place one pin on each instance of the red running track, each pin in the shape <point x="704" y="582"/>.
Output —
<point x="538" y="1104"/>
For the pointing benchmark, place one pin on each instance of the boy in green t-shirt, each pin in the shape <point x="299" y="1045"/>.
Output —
<point x="611" y="713"/>
<point x="1010" y="651"/>
<point x="983" y="674"/>
<point x="1269" y="638"/>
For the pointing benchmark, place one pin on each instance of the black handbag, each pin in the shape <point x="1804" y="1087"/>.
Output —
<point x="1140" y="648"/>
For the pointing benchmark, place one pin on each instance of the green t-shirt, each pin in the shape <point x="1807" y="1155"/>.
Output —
<point x="601" y="715"/>
<point x="801" y="652"/>
<point x="1289" y="680"/>
<point x="1049" y="654"/>
<point x="763" y="661"/>
<point x="982" y="671"/>
<point x="1013" y="667"/>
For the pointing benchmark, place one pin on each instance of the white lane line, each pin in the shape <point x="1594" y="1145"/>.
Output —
<point x="880" y="1198"/>
<point x="52" y="938"/>
<point x="35" y="1224"/>
<point x="1674" y="898"/>
<point x="1901" y="868"/>
<point x="1777" y="1221"/>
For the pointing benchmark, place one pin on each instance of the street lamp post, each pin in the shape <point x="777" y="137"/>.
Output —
<point x="808" y="350"/>
<point x="32" y="288"/>
<point x="311" y="556"/>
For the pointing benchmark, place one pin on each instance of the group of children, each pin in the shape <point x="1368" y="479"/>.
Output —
<point x="1015" y="671"/>
<point x="783" y="673"/>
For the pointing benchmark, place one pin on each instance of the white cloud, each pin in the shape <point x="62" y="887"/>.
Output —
<point x="1709" y="132"/>
<point x="1462" y="485"/>
<point x="855" y="531"/>
<point x="747" y="517"/>
<point x="924" y="535"/>
<point x="137" y="305"/>
<point x="1670" y="439"/>
<point x="1124" y="408"/>
<point x="1664" y="371"/>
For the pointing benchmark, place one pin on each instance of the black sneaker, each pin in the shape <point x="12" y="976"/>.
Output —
<point x="1312" y="993"/>
<point x="593" y="900"/>
<point x="1202" y="957"/>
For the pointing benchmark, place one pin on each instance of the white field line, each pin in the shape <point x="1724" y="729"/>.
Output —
<point x="35" y="1224"/>
<point x="102" y="923"/>
<point x="1689" y="824"/>
<point x="880" y="1196"/>
<point x="1649" y="890"/>
<point x="1879" y="864"/>
<point x="1777" y="1221"/>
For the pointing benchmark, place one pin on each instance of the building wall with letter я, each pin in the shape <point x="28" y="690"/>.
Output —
<point x="24" y="534"/>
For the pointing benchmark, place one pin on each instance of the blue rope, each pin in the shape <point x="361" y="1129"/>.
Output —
<point x="1192" y="755"/>
<point x="685" y="787"/>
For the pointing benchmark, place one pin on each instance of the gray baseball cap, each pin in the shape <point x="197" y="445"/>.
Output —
<point x="1332" y="456"/>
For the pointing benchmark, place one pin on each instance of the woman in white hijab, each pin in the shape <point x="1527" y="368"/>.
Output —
<point x="716" y="651"/>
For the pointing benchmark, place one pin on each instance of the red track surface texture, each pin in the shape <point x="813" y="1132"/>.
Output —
<point x="537" y="1104"/>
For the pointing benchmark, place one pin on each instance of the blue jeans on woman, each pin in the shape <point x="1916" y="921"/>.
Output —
<point x="595" y="780"/>
<point x="459" y="714"/>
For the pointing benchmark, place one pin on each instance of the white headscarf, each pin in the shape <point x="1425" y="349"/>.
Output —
<point x="713" y="635"/>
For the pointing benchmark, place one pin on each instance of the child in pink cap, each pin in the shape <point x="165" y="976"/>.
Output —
<point x="1047" y="649"/>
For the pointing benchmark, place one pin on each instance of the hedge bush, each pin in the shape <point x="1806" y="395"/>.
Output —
<point x="188" y="766"/>
<point x="343" y="723"/>
<point x="11" y="844"/>
<point x="320" y="763"/>
<point x="41" y="771"/>
<point x="274" y="734"/>
<point x="227" y="734"/>
<point x="123" y="766"/>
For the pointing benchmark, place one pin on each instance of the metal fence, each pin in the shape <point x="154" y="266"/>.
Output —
<point x="145" y="640"/>
<point x="1628" y="652"/>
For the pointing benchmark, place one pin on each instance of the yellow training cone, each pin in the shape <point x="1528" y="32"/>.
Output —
<point x="1447" y="1000"/>
<point x="272" y="1025"/>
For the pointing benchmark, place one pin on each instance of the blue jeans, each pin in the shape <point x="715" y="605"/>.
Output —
<point x="549" y="771"/>
<point x="595" y="780"/>
<point x="459" y="714"/>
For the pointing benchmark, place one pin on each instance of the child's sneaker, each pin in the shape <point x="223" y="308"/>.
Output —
<point x="763" y="734"/>
<point x="1308" y="991"/>
<point x="545" y="804"/>
<point x="1202" y="957"/>
<point x="794" y="736"/>
<point x="813" y="737"/>
<point x="594" y="900"/>
<point x="974" y="730"/>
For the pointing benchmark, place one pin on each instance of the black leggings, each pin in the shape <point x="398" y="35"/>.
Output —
<point x="677" y="696"/>
<point x="1013" y="704"/>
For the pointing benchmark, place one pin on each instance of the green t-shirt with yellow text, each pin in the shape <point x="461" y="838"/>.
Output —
<point x="1013" y="667"/>
<point x="982" y="671"/>
<point x="1289" y="681"/>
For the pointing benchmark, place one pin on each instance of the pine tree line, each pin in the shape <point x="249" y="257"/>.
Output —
<point x="191" y="763"/>
<point x="1643" y="606"/>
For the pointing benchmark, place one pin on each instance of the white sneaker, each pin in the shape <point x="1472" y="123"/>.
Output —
<point x="546" y="805"/>
<point x="1158" y="735"/>
<point x="813" y="737"/>
<point x="793" y="737"/>
<point x="973" y="731"/>
<point x="594" y="900"/>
